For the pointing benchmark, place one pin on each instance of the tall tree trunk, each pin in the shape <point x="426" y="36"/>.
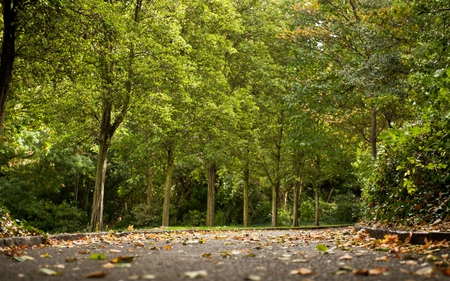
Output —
<point x="277" y="184"/>
<point x="149" y="185"/>
<point x="168" y="187"/>
<point x="246" y="190"/>
<point x="275" y="189"/>
<point x="373" y="132"/>
<point x="99" y="188"/>
<point x="211" y="197"/>
<point x="316" y="196"/>
<point x="8" y="54"/>
<point x="297" y="195"/>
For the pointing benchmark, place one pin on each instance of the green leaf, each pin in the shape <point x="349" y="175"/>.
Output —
<point x="321" y="247"/>
<point x="101" y="256"/>
<point x="22" y="258"/>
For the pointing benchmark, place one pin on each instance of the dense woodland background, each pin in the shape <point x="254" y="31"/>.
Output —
<point x="224" y="112"/>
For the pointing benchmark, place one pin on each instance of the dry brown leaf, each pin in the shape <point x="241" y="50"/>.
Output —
<point x="108" y="265"/>
<point x="345" y="257"/>
<point x="370" y="272"/>
<point x="385" y="258"/>
<point x="97" y="274"/>
<point x="302" y="271"/>
<point x="446" y="271"/>
<point x="114" y="251"/>
<point x="195" y="274"/>
<point x="425" y="271"/>
<point x="139" y="244"/>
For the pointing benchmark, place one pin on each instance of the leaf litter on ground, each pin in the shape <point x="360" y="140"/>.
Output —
<point x="346" y="243"/>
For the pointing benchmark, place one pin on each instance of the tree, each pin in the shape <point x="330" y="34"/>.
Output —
<point x="362" y="75"/>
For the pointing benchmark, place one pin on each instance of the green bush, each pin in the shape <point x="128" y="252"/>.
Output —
<point x="68" y="218"/>
<point x="409" y="181"/>
<point x="143" y="215"/>
<point x="194" y="218"/>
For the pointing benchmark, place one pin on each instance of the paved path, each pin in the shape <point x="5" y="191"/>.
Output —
<point x="225" y="255"/>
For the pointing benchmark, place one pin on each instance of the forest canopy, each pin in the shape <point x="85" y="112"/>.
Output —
<point x="224" y="112"/>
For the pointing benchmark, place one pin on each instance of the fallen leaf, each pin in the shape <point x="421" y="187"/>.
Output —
<point x="446" y="271"/>
<point x="168" y="247"/>
<point x="321" y="247"/>
<point x="71" y="259"/>
<point x="139" y="244"/>
<point x="370" y="272"/>
<point x="84" y="252"/>
<point x="46" y="255"/>
<point x="148" y="276"/>
<point x="302" y="271"/>
<point x="122" y="259"/>
<point x="108" y="265"/>
<point x="97" y="274"/>
<point x="113" y="251"/>
<point x="48" y="271"/>
<point x="345" y="257"/>
<point x="22" y="258"/>
<point x="100" y="256"/>
<point x="385" y="258"/>
<point x="425" y="271"/>
<point x="195" y="274"/>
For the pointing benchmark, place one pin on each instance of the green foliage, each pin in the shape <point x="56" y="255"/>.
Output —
<point x="194" y="218"/>
<point x="143" y="215"/>
<point x="409" y="181"/>
<point x="68" y="218"/>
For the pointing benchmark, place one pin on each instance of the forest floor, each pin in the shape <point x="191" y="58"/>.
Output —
<point x="320" y="254"/>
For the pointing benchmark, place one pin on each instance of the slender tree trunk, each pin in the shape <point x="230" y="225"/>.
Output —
<point x="77" y="187"/>
<point x="168" y="187"/>
<point x="149" y="185"/>
<point x="99" y="189"/>
<point x="211" y="197"/>
<point x="373" y="133"/>
<point x="246" y="190"/>
<point x="277" y="184"/>
<point x="329" y="195"/>
<point x="8" y="54"/>
<point x="275" y="189"/>
<point x="316" y="196"/>
<point x="297" y="195"/>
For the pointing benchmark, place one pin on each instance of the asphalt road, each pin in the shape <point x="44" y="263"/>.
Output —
<point x="223" y="255"/>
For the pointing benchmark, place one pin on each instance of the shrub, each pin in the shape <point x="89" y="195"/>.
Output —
<point x="68" y="218"/>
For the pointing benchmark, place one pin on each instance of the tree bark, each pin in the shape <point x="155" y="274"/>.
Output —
<point x="8" y="54"/>
<point x="210" y="210"/>
<point x="168" y="187"/>
<point x="297" y="194"/>
<point x="99" y="189"/>
<point x="277" y="184"/>
<point x="246" y="191"/>
<point x="149" y="185"/>
<point x="316" y="195"/>
<point x="275" y="189"/>
<point x="373" y="132"/>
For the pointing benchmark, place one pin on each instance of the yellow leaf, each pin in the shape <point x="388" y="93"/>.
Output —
<point x="168" y="247"/>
